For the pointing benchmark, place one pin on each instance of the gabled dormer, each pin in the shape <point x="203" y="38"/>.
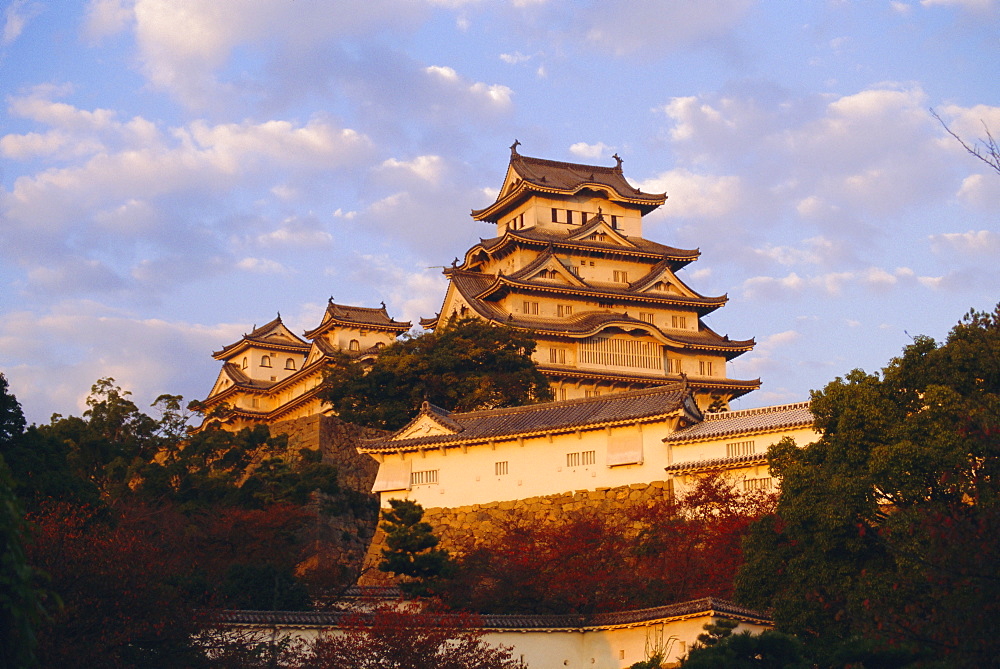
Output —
<point x="432" y="421"/>
<point x="268" y="353"/>
<point x="599" y="230"/>
<point x="547" y="268"/>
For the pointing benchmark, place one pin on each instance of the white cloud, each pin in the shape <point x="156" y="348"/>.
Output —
<point x="75" y="343"/>
<point x="185" y="44"/>
<point x="696" y="195"/>
<point x="426" y="168"/>
<point x="589" y="151"/>
<point x="106" y="18"/>
<point x="298" y="231"/>
<point x="973" y="242"/>
<point x="494" y="95"/>
<point x="624" y="27"/>
<point x="514" y="58"/>
<point x="16" y="17"/>
<point x="411" y="294"/>
<point x="974" y="6"/>
<point x="261" y="266"/>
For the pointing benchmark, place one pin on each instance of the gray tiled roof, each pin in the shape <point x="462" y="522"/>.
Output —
<point x="717" y="463"/>
<point x="708" y="605"/>
<point x="374" y="317"/>
<point x="562" y="416"/>
<point x="561" y="238"/>
<point x="273" y="335"/>
<point x="746" y="421"/>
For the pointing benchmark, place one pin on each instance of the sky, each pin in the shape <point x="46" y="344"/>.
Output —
<point x="175" y="172"/>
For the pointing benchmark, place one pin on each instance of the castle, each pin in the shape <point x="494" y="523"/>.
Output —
<point x="639" y="379"/>
<point x="641" y="386"/>
<point x="568" y="263"/>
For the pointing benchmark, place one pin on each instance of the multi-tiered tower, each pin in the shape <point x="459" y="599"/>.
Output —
<point x="570" y="264"/>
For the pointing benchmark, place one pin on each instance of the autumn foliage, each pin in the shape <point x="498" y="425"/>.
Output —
<point x="593" y="562"/>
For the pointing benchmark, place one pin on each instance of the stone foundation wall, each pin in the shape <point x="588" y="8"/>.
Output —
<point x="347" y="522"/>
<point x="482" y="520"/>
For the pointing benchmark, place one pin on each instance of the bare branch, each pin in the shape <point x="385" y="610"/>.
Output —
<point x="988" y="152"/>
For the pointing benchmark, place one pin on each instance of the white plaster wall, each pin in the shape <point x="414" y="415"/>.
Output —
<point x="613" y="648"/>
<point x="536" y="468"/>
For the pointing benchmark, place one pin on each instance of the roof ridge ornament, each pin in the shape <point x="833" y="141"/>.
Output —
<point x="619" y="160"/>
<point x="513" y="148"/>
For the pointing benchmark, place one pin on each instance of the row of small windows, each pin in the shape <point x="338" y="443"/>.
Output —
<point x="265" y="361"/>
<point x="502" y="468"/>
<point x="576" y="217"/>
<point x="581" y="459"/>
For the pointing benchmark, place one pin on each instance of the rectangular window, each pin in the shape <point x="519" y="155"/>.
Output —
<point x="620" y="276"/>
<point x="591" y="393"/>
<point x="562" y="393"/>
<point x="530" y="308"/>
<point x="569" y="217"/>
<point x="647" y="317"/>
<point x="673" y="365"/>
<point x="500" y="468"/>
<point x="555" y="215"/>
<point x="614" y="222"/>
<point x="564" y="310"/>
<point x="678" y="322"/>
<point x="572" y="459"/>
<point x="424" y="477"/>
<point x="750" y="485"/>
<point x="739" y="448"/>
<point x="588" y="457"/>
<point x="557" y="356"/>
<point x="705" y="367"/>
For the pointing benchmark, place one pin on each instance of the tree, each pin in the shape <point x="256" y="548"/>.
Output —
<point x="465" y="365"/>
<point x="22" y="600"/>
<point x="412" y="548"/>
<point x="883" y="545"/>
<point x="397" y="636"/>
<point x="719" y="648"/>
<point x="985" y="149"/>
<point x="586" y="561"/>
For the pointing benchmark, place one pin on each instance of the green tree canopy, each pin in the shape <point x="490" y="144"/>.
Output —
<point x="463" y="366"/>
<point x="885" y="539"/>
<point x="412" y="549"/>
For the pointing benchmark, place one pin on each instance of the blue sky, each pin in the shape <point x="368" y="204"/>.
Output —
<point x="173" y="172"/>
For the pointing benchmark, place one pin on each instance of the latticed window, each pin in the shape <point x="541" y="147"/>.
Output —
<point x="581" y="459"/>
<point x="621" y="352"/>
<point x="678" y="322"/>
<point x="757" y="484"/>
<point x="426" y="476"/>
<point x="738" y="449"/>
<point x="557" y="356"/>
<point x="705" y="367"/>
<point x="500" y="468"/>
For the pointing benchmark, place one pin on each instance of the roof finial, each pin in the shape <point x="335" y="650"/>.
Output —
<point x="513" y="148"/>
<point x="454" y="263"/>
<point x="383" y="305"/>
<point x="619" y="160"/>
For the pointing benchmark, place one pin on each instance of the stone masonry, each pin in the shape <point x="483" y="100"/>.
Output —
<point x="481" y="520"/>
